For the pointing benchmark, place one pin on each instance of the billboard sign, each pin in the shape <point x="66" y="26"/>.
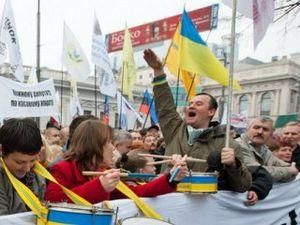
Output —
<point x="160" y="30"/>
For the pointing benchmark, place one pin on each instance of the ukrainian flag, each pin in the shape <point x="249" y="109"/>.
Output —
<point x="196" y="58"/>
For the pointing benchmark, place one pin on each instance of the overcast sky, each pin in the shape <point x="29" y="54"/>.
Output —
<point x="281" y="39"/>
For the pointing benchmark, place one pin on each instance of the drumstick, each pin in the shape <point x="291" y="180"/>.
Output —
<point x="97" y="173"/>
<point x="188" y="159"/>
<point x="158" y="162"/>
<point x="122" y="175"/>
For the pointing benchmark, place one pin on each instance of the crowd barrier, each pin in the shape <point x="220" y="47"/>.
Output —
<point x="222" y="208"/>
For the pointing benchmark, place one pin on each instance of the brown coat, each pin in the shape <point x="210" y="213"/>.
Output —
<point x="175" y="133"/>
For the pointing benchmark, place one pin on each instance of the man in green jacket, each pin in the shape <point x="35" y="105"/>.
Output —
<point x="196" y="135"/>
<point x="21" y="142"/>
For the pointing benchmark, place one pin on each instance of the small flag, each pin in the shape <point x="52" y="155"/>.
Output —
<point x="32" y="79"/>
<point x="75" y="106"/>
<point x="9" y="42"/>
<point x="148" y="106"/>
<point x="128" y="69"/>
<point x="100" y="58"/>
<point x="105" y="118"/>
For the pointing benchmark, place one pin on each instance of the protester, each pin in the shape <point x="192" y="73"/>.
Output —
<point x="138" y="164"/>
<point x="91" y="150"/>
<point x="122" y="141"/>
<point x="257" y="153"/>
<point x="64" y="136"/>
<point x="52" y="134"/>
<point x="137" y="140"/>
<point x="195" y="136"/>
<point x="291" y="136"/>
<point x="154" y="131"/>
<point x="21" y="142"/>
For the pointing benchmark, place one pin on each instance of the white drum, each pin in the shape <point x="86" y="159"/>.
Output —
<point x="144" y="221"/>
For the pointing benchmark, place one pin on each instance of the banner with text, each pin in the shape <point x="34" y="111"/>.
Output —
<point x="204" y="19"/>
<point x="27" y="100"/>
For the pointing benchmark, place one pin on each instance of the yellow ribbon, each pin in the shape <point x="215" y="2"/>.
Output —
<point x="35" y="205"/>
<point x="40" y="170"/>
<point x="26" y="195"/>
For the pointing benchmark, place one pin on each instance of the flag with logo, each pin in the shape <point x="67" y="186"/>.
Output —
<point x="128" y="69"/>
<point x="9" y="42"/>
<point x="73" y="56"/>
<point x="100" y="58"/>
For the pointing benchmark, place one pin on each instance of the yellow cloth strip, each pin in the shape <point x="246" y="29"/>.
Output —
<point x="143" y="206"/>
<point x="39" y="169"/>
<point x="25" y="193"/>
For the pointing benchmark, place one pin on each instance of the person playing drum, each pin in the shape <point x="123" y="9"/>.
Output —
<point x="91" y="150"/>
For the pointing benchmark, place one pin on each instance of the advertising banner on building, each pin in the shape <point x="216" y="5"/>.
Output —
<point x="160" y="30"/>
<point x="27" y="100"/>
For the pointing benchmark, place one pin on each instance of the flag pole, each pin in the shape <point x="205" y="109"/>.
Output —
<point x="61" y="93"/>
<point x="177" y="88"/>
<point x="135" y="124"/>
<point x="231" y="70"/>
<point x="95" y="89"/>
<point x="148" y="113"/>
<point x="190" y="88"/>
<point x="121" y="102"/>
<point x="38" y="50"/>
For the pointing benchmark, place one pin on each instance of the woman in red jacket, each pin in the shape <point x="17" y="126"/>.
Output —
<point x="91" y="150"/>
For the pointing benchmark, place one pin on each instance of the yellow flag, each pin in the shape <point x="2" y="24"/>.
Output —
<point x="128" y="68"/>
<point x="172" y="63"/>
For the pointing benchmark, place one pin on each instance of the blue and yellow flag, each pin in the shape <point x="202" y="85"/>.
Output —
<point x="172" y="63"/>
<point x="196" y="58"/>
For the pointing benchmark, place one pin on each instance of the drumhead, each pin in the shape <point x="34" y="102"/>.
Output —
<point x="144" y="221"/>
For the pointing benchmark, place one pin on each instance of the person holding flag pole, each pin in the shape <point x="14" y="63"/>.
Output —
<point x="196" y="135"/>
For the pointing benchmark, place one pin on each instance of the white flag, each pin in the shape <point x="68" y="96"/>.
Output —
<point x="263" y="15"/>
<point x="32" y="79"/>
<point x="75" y="106"/>
<point x="73" y="56"/>
<point x="100" y="58"/>
<point x="244" y="7"/>
<point x="128" y="114"/>
<point x="9" y="42"/>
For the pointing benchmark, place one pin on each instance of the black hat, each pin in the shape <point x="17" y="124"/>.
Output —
<point x="153" y="127"/>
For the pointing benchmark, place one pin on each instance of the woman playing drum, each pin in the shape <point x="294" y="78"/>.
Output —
<point x="91" y="150"/>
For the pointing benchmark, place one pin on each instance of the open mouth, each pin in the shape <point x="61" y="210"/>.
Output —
<point x="192" y="114"/>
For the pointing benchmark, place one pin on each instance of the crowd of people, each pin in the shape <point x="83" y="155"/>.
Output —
<point x="251" y="163"/>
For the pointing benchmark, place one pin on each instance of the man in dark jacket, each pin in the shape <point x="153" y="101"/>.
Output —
<point x="195" y="136"/>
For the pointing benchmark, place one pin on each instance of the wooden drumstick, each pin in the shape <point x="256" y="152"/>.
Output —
<point x="188" y="159"/>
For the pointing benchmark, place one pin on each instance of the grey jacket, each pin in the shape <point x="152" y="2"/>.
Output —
<point x="10" y="202"/>
<point x="263" y="156"/>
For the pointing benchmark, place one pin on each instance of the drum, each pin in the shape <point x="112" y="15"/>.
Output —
<point x="144" y="221"/>
<point x="199" y="183"/>
<point x="80" y="215"/>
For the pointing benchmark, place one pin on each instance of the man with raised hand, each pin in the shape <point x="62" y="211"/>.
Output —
<point x="196" y="135"/>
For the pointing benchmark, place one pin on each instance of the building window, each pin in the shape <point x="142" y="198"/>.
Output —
<point x="243" y="104"/>
<point x="265" y="109"/>
<point x="141" y="77"/>
<point x="150" y="75"/>
<point x="87" y="112"/>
